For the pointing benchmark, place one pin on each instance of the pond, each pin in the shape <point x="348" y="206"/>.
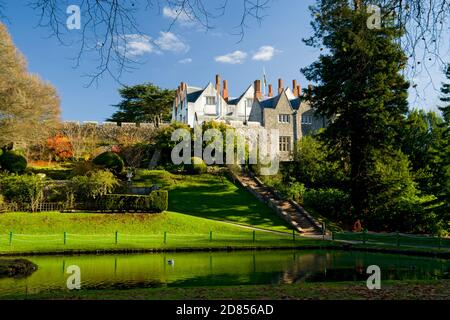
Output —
<point x="123" y="271"/>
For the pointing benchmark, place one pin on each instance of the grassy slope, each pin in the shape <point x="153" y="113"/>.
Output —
<point x="44" y="232"/>
<point x="210" y="196"/>
<point x="412" y="290"/>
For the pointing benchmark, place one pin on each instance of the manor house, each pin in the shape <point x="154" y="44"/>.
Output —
<point x="286" y="110"/>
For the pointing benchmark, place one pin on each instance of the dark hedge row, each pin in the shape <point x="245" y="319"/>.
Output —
<point x="156" y="201"/>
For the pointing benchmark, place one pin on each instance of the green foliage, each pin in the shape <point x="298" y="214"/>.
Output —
<point x="163" y="140"/>
<point x="314" y="165"/>
<point x="157" y="201"/>
<point x="109" y="160"/>
<point x="95" y="184"/>
<point x="2" y="204"/>
<point x="197" y="166"/>
<point x="144" y="103"/>
<point x="25" y="190"/>
<point x="331" y="203"/>
<point x="361" y="87"/>
<point x="13" y="162"/>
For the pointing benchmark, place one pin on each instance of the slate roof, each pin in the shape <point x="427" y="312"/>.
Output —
<point x="194" y="93"/>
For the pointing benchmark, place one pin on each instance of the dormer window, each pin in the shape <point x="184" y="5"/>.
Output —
<point x="210" y="101"/>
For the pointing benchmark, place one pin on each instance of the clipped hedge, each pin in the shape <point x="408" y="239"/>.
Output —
<point x="13" y="162"/>
<point x="156" y="201"/>
<point x="109" y="160"/>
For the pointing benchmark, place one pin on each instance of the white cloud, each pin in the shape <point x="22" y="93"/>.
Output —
<point x="265" y="53"/>
<point x="136" y="45"/>
<point x="185" y="61"/>
<point x="168" y="41"/>
<point x="236" y="57"/>
<point x="179" y="16"/>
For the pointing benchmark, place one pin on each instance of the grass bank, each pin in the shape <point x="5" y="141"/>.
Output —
<point x="390" y="290"/>
<point x="67" y="232"/>
<point x="213" y="197"/>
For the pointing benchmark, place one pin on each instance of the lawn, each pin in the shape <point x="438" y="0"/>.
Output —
<point x="44" y="232"/>
<point x="396" y="290"/>
<point x="213" y="197"/>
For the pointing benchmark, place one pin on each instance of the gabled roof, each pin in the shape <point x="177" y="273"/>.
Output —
<point x="193" y="93"/>
<point x="270" y="102"/>
<point x="235" y="101"/>
<point x="295" y="103"/>
<point x="193" y="96"/>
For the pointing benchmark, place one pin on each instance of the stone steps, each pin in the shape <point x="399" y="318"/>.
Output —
<point x="297" y="218"/>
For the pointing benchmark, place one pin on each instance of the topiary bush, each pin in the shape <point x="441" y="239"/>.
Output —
<point x="197" y="166"/>
<point x="110" y="160"/>
<point x="12" y="161"/>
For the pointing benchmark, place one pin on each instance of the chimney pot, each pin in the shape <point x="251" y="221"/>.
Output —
<point x="257" y="87"/>
<point x="294" y="87"/>
<point x="280" y="86"/>
<point x="225" y="90"/>
<point x="270" y="90"/>
<point x="218" y="82"/>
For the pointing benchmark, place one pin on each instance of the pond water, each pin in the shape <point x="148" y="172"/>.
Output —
<point x="219" y="269"/>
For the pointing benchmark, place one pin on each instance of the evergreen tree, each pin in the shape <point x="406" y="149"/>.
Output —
<point x="144" y="103"/>
<point x="441" y="166"/>
<point x="361" y="89"/>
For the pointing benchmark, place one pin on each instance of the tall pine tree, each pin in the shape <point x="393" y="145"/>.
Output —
<point x="360" y="88"/>
<point x="441" y="172"/>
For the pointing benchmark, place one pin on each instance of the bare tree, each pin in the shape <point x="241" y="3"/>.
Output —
<point x="108" y="24"/>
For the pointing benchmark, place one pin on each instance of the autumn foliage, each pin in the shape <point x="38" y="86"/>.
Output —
<point x="60" y="147"/>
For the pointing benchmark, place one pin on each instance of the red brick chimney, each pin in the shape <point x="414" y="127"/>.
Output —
<point x="280" y="86"/>
<point x="270" y="90"/>
<point x="257" y="87"/>
<point x="225" y="90"/>
<point x="299" y="90"/>
<point x="294" y="88"/>
<point x="218" y="83"/>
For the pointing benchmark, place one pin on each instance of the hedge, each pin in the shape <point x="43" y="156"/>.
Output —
<point x="156" y="201"/>
<point x="13" y="162"/>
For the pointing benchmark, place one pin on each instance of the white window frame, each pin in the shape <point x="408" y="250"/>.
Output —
<point x="284" y="118"/>
<point x="209" y="99"/>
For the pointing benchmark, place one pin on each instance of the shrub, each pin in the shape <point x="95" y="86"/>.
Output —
<point x="2" y="204"/>
<point x="82" y="168"/>
<point x="296" y="191"/>
<point x="157" y="201"/>
<point x="13" y="162"/>
<point x="95" y="184"/>
<point x="330" y="203"/>
<point x="197" y="166"/>
<point x="109" y="160"/>
<point x="27" y="190"/>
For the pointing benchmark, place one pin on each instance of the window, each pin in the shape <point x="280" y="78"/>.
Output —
<point x="248" y="102"/>
<point x="307" y="119"/>
<point x="210" y="101"/>
<point x="285" y="144"/>
<point x="284" y="118"/>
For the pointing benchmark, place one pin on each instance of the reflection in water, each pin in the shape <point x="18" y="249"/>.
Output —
<point x="220" y="269"/>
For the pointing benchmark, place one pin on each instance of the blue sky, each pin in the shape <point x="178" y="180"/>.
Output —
<point x="184" y="53"/>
